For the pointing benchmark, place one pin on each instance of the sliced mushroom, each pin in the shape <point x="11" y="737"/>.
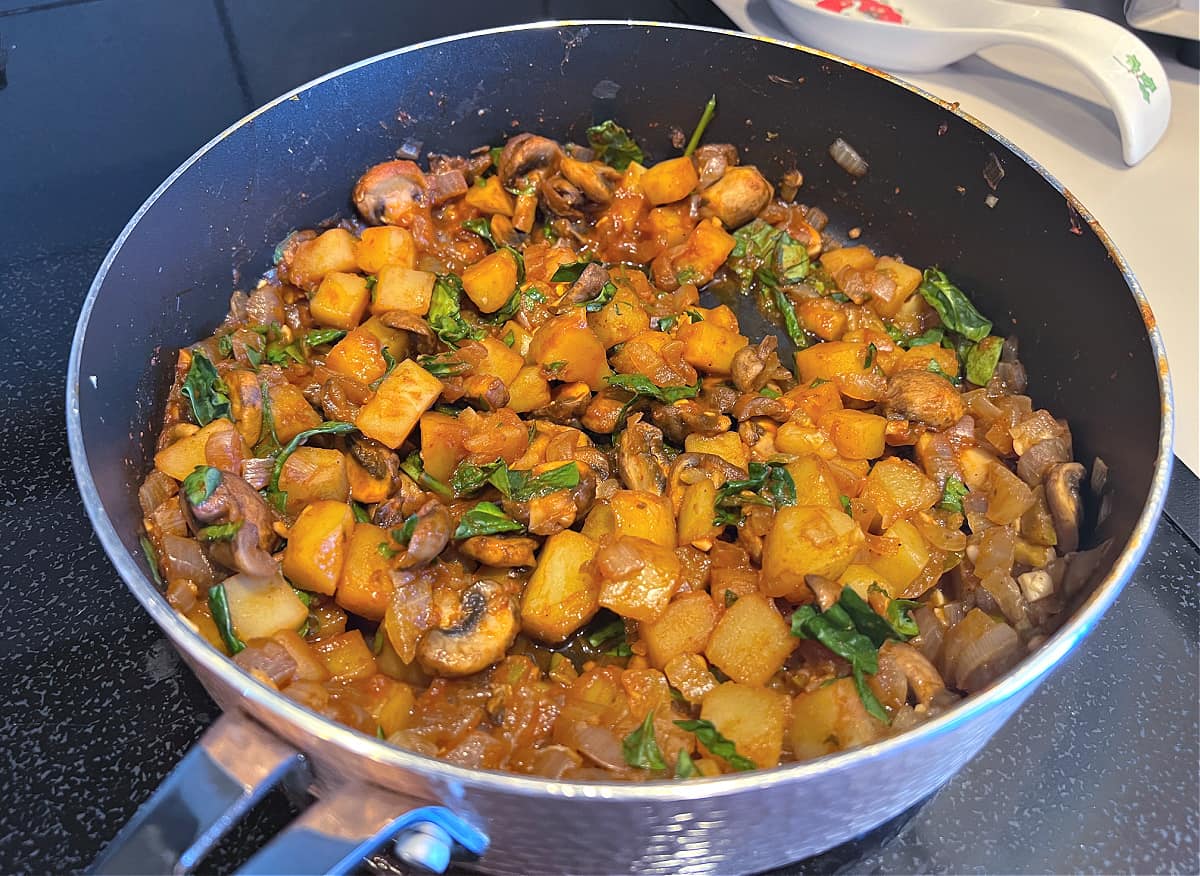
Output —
<point x="485" y="391"/>
<point x="376" y="458"/>
<point x="756" y="365"/>
<point x="915" y="394"/>
<point x="430" y="535"/>
<point x="751" y="405"/>
<point x="713" y="159"/>
<point x="561" y="198"/>
<point x="389" y="191"/>
<point x="689" y="468"/>
<point x="589" y="284"/>
<point x="504" y="552"/>
<point x="641" y="457"/>
<point x="524" y="153"/>
<point x="594" y="179"/>
<point x="827" y="592"/>
<point x="235" y="501"/>
<point x="568" y="403"/>
<point x="737" y="197"/>
<point x="553" y="512"/>
<point x="686" y="417"/>
<point x="485" y="629"/>
<point x="923" y="678"/>
<point x="1066" y="505"/>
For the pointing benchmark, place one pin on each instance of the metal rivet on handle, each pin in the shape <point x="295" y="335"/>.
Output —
<point x="425" y="845"/>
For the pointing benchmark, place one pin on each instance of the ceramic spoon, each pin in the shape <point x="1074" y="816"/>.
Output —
<point x="925" y="35"/>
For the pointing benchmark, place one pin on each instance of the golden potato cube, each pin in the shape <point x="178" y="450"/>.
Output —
<point x="919" y="358"/>
<point x="569" y="350"/>
<point x="365" y="586"/>
<point x="290" y="411"/>
<point x="490" y="197"/>
<point x="347" y="656"/>
<point x="491" y="281"/>
<point x="311" y="474"/>
<point x="643" y="595"/>
<point x="709" y="347"/>
<point x="502" y="361"/>
<point x="859" y="578"/>
<point x="341" y="301"/>
<point x="696" y="514"/>
<point x="815" y="483"/>
<point x="309" y="665"/>
<point x="335" y="250"/>
<point x="390" y="339"/>
<point x="261" y="608"/>
<point x="857" y="257"/>
<point x="359" y="356"/>
<point x="395" y="712"/>
<point x="896" y="571"/>
<point x="706" y="249"/>
<point x="752" y="718"/>
<point x="386" y="245"/>
<point x="670" y="225"/>
<point x="600" y="522"/>
<point x="728" y="445"/>
<point x="399" y="288"/>
<point x="364" y="486"/>
<point x="751" y="641"/>
<point x="807" y="540"/>
<point x="646" y="515"/>
<point x="830" y="718"/>
<point x="181" y="458"/>
<point x="683" y="628"/>
<point x="855" y="434"/>
<point x="907" y="279"/>
<point x="562" y="593"/>
<point x="689" y="674"/>
<point x="316" y="547"/>
<point x="621" y="319"/>
<point x="670" y="180"/>
<point x="826" y="361"/>
<point x="442" y="444"/>
<point x="529" y="390"/>
<point x="397" y="405"/>
<point x="897" y="488"/>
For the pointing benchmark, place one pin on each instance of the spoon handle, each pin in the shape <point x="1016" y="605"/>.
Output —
<point x="1123" y="67"/>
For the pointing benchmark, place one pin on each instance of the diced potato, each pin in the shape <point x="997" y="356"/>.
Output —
<point x="365" y="487"/>
<point x="830" y="718"/>
<point x="896" y="571"/>
<point x="704" y="252"/>
<point x="858" y="257"/>
<point x="649" y="516"/>
<point x="502" y="361"/>
<point x="807" y="540"/>
<point x="696" y="514"/>
<point x="395" y="713"/>
<point x="1008" y="496"/>
<point x="181" y="458"/>
<point x="729" y="585"/>
<point x="824" y="317"/>
<point x="752" y="718"/>
<point x="566" y="347"/>
<point x="919" y="358"/>
<point x="709" y="347"/>
<point x="390" y="339"/>
<point x="801" y="436"/>
<point x="562" y="593"/>
<point x="290" y="411"/>
<point x="907" y="279"/>
<point x="442" y="444"/>
<point x="358" y="355"/>
<point x="386" y="245"/>
<point x="683" y="628"/>
<point x="670" y="180"/>
<point x="727" y="445"/>
<point x="490" y="197"/>
<point x="521" y="337"/>
<point x="621" y="319"/>
<point x="826" y="361"/>
<point x="400" y="288"/>
<point x="689" y="674"/>
<point x="311" y="474"/>
<point x="245" y="404"/>
<point x="859" y="577"/>
<point x="643" y="595"/>
<point x="335" y="250"/>
<point x="365" y="587"/>
<point x="670" y="225"/>
<point x="815" y="483"/>
<point x="393" y="412"/>
<point x="341" y="301"/>
<point x="261" y="608"/>
<point x="976" y="465"/>
<point x="316" y="547"/>
<point x="347" y="656"/>
<point x="855" y="434"/>
<point x="751" y="640"/>
<point x="897" y="488"/>
<point x="491" y="281"/>
<point x="816" y="401"/>
<point x="309" y="665"/>
<point x="529" y="390"/>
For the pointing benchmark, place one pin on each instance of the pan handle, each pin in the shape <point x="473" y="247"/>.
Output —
<point x="233" y="765"/>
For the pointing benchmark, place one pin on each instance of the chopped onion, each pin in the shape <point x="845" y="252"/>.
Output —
<point x="1006" y="592"/>
<point x="270" y="658"/>
<point x="156" y="489"/>
<point x="410" y="149"/>
<point x="184" y="558"/>
<point x="981" y="660"/>
<point x="1082" y="566"/>
<point x="257" y="472"/>
<point x="929" y="641"/>
<point x="168" y="518"/>
<point x="1099" y="477"/>
<point x="1037" y="459"/>
<point x="1036" y="585"/>
<point x="554" y="760"/>
<point x="847" y="158"/>
<point x="597" y="744"/>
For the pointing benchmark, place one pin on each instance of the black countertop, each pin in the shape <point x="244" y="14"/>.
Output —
<point x="100" y="100"/>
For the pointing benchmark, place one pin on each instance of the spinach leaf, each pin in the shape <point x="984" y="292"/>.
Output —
<point x="685" y="767"/>
<point x="405" y="533"/>
<point x="641" y="748"/>
<point x="507" y="312"/>
<point x="570" y="272"/>
<point x="791" y="323"/>
<point x="953" y="493"/>
<point x="640" y="385"/>
<point x="152" y="560"/>
<point x="278" y="497"/>
<point x="218" y="604"/>
<point x="268" y="440"/>
<point x="200" y="484"/>
<point x="483" y="228"/>
<point x="445" y="312"/>
<point x="610" y="639"/>
<point x="469" y="478"/>
<point x="219" y="531"/>
<point x="360" y="513"/>
<point x="952" y="305"/>
<point x="982" y="360"/>
<point x="705" y="118"/>
<point x="205" y="391"/>
<point x="791" y="259"/>
<point x="443" y="365"/>
<point x="930" y="336"/>
<point x="771" y="478"/>
<point x="390" y="361"/>
<point x="613" y="145"/>
<point x="607" y="291"/>
<point x="415" y="469"/>
<point x="485" y="519"/>
<point x="866" y="621"/>
<point x="323" y="336"/>
<point x="935" y="368"/>
<point x="898" y="612"/>
<point x="709" y="736"/>
<point x="520" y="486"/>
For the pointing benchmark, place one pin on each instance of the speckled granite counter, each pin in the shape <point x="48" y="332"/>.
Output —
<point x="103" y="99"/>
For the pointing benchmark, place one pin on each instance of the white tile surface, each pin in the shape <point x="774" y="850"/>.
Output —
<point x="1049" y="109"/>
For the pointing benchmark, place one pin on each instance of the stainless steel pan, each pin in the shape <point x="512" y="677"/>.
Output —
<point x="1035" y="261"/>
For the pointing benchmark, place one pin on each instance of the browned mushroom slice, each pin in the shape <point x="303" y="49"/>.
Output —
<point x="738" y="196"/>
<point x="920" y="395"/>
<point x="589" y="284"/>
<point x="506" y="552"/>
<point x="430" y="535"/>
<point x="486" y="627"/>
<point x="561" y="198"/>
<point x="641" y="457"/>
<point x="1066" y="504"/>
<point x="713" y="160"/>
<point x="388" y="191"/>
<point x="249" y="547"/>
<point x="595" y="180"/>
<point x="525" y="153"/>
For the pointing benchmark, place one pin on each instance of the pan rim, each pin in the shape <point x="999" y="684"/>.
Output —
<point x="1022" y="678"/>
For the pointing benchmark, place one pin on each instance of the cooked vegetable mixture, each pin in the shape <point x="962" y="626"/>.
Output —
<point x="477" y="472"/>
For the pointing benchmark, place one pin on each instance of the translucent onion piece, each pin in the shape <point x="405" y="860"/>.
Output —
<point x="847" y="158"/>
<point x="155" y="490"/>
<point x="184" y="558"/>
